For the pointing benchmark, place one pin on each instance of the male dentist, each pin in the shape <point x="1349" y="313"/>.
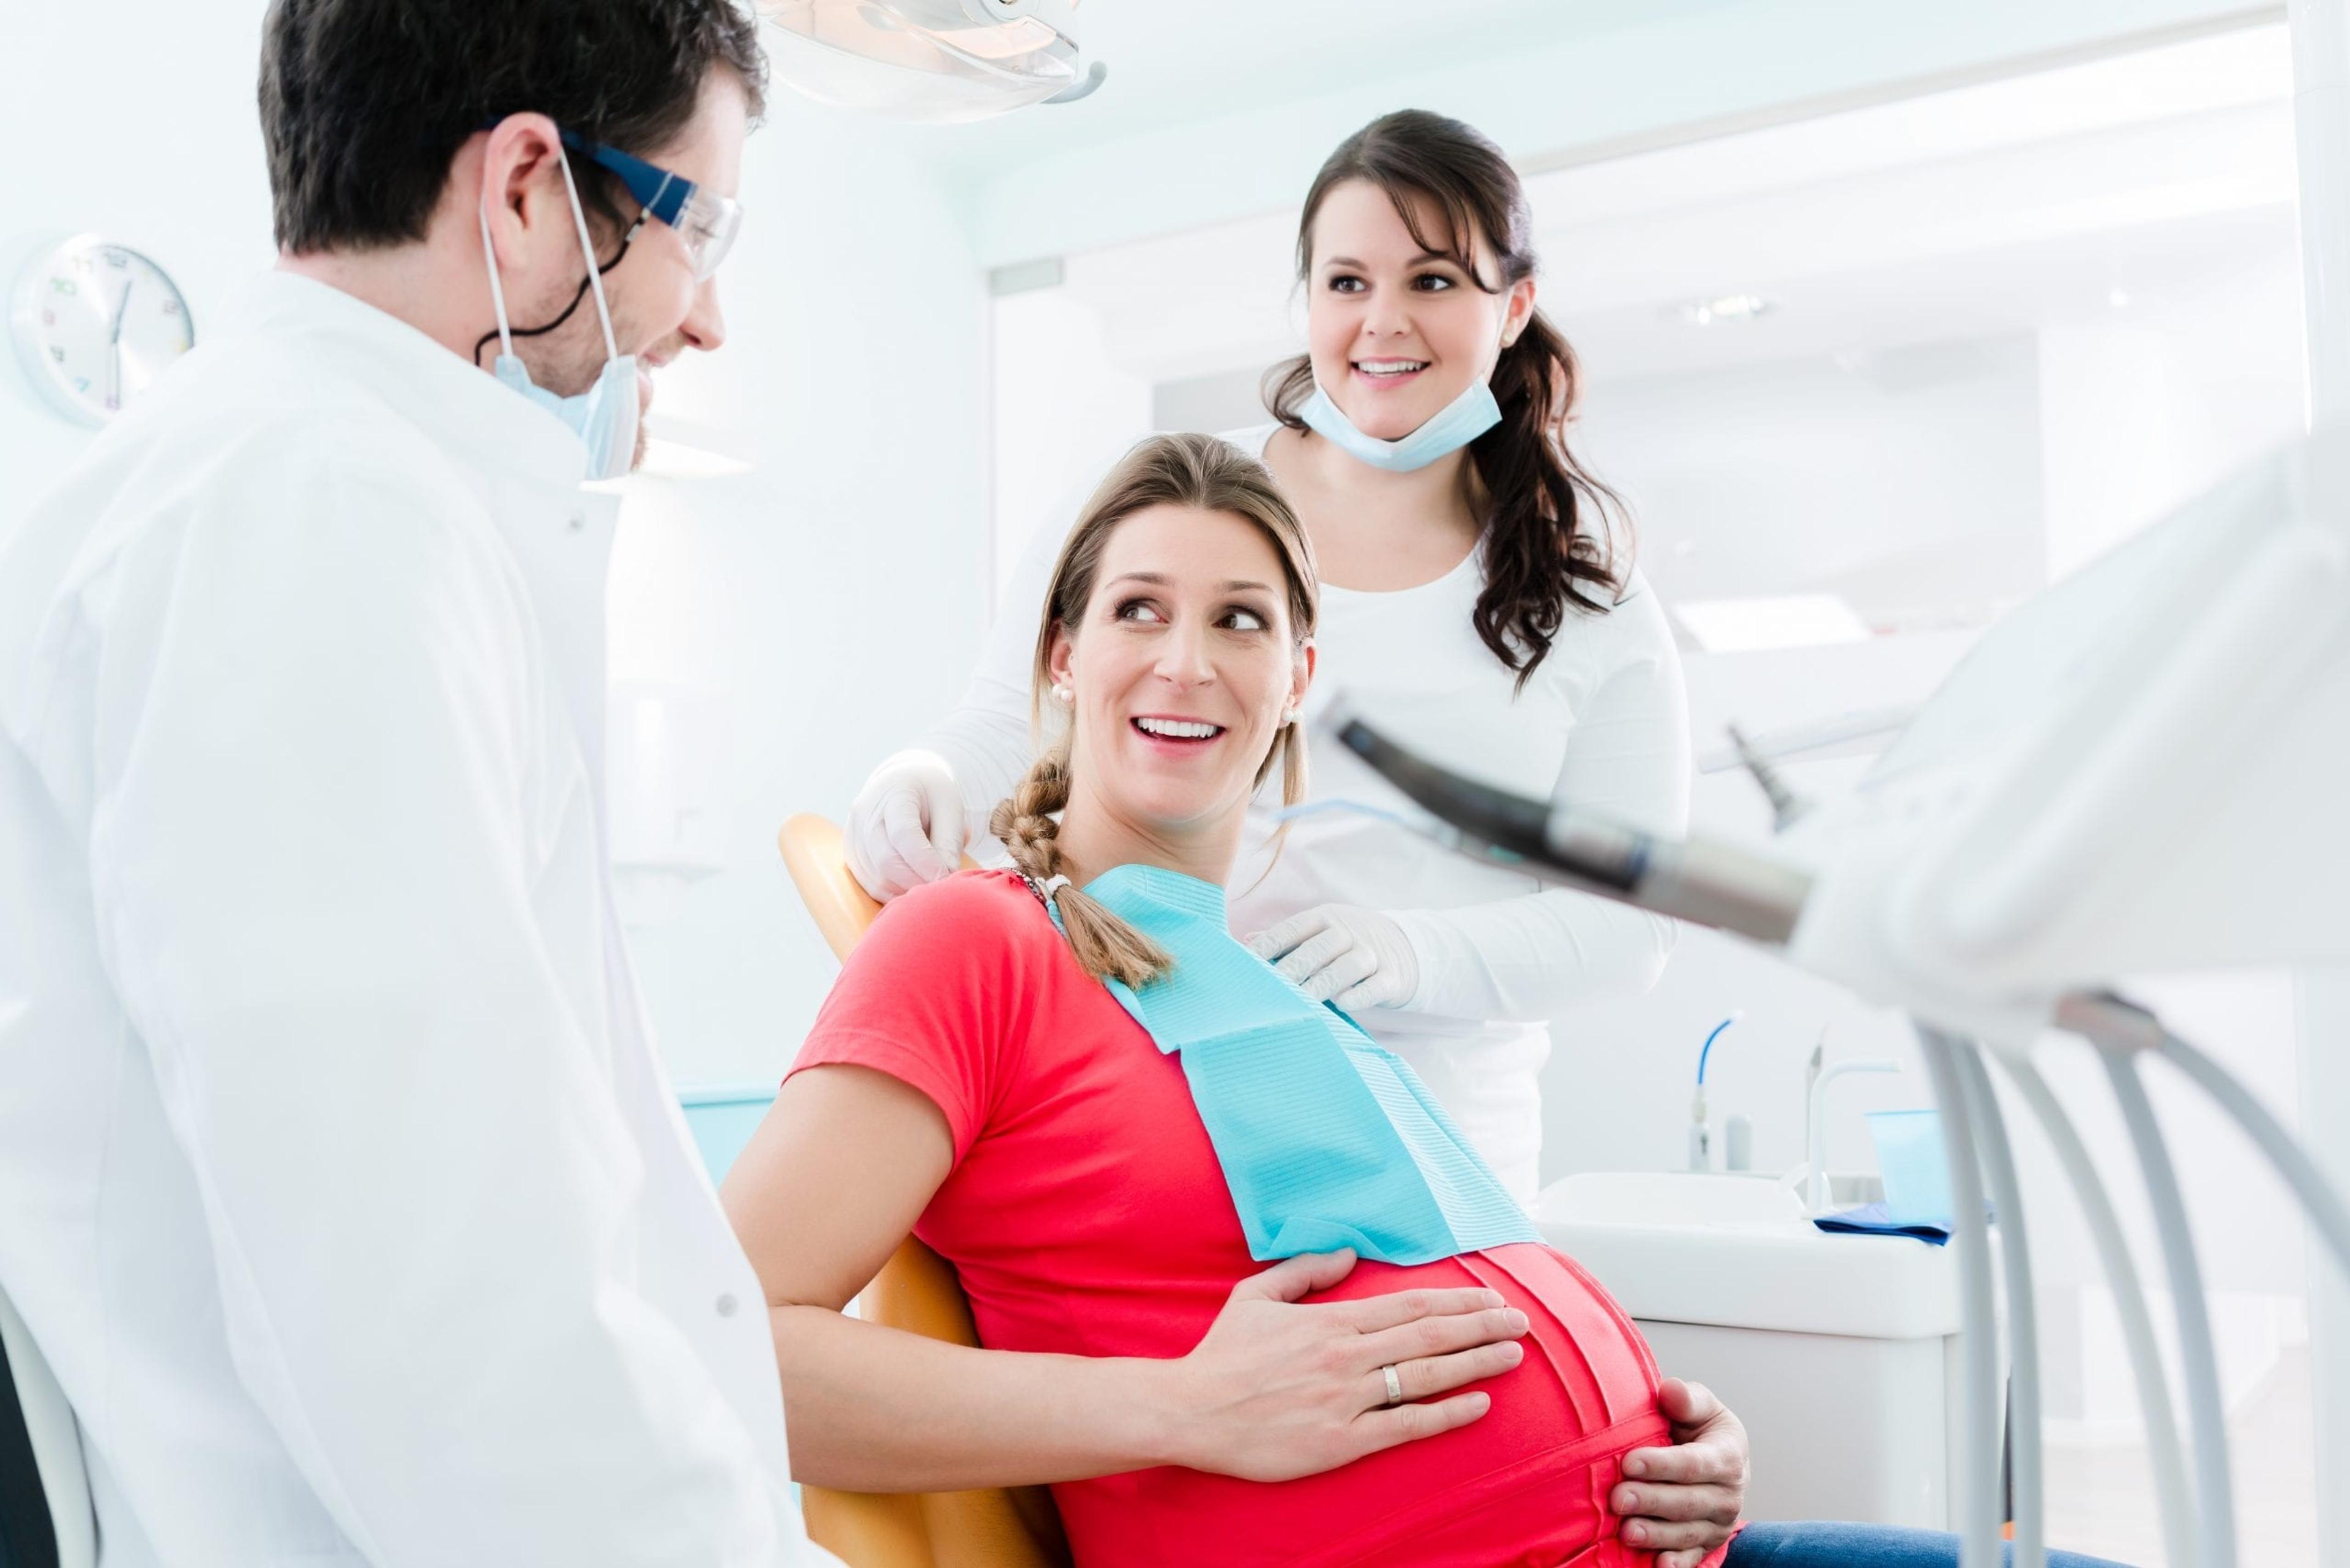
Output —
<point x="338" y="1179"/>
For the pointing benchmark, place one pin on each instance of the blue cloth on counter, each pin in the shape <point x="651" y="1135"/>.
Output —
<point x="1325" y="1140"/>
<point x="1770" y="1543"/>
<point x="1871" y="1219"/>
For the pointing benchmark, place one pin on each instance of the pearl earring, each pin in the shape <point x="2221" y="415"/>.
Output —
<point x="1062" y="693"/>
<point x="1289" y="715"/>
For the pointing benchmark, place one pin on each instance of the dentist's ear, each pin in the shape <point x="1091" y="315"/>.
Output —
<point x="1301" y="679"/>
<point x="521" y="191"/>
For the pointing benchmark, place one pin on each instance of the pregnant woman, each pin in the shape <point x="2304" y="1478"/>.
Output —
<point x="1073" y="1083"/>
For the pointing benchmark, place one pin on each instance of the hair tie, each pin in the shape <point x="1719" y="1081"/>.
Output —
<point x="1046" y="889"/>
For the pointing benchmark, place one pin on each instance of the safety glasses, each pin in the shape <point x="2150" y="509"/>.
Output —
<point x="707" y="222"/>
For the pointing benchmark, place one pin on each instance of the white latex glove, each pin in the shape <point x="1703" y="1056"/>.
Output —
<point x="1336" y="952"/>
<point x="905" y="827"/>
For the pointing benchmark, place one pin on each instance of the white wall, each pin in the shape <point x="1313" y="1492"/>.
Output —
<point x="1062" y="413"/>
<point x="149" y="137"/>
<point x="2157" y="397"/>
<point x="1245" y="129"/>
<point x="825" y="605"/>
<point x="1906" y="480"/>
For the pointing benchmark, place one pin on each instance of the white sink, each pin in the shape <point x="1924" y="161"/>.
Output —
<point x="1737" y="1251"/>
<point x="1671" y="1198"/>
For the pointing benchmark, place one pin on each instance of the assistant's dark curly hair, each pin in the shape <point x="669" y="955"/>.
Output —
<point x="1555" y="538"/>
<point x="364" y="102"/>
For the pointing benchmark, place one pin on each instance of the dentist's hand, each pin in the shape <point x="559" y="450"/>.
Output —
<point x="1277" y="1390"/>
<point x="1336" y="952"/>
<point x="1683" y="1502"/>
<point x="905" y="827"/>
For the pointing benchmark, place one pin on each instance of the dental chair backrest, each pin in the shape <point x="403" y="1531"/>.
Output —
<point x="915" y="1290"/>
<point x="46" y="1519"/>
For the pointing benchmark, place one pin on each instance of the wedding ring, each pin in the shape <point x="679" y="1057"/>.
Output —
<point x="1395" y="1384"/>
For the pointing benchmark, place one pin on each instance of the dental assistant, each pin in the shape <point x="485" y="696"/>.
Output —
<point x="342" y="1188"/>
<point x="1472" y="597"/>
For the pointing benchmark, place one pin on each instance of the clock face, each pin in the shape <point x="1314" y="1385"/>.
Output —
<point x="95" y="323"/>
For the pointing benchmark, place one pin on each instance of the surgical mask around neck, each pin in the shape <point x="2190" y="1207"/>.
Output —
<point x="1449" y="429"/>
<point x="604" y="417"/>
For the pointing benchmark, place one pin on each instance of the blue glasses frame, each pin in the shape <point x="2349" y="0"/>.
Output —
<point x="707" y="222"/>
<point x="662" y="194"/>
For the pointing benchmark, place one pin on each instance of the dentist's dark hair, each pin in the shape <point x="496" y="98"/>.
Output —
<point x="1555" y="538"/>
<point x="364" y="103"/>
<point x="1200" y="474"/>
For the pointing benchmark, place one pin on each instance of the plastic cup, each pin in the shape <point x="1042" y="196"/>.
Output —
<point x="1916" y="1174"/>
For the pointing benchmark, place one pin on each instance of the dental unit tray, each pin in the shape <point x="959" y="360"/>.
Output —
<point x="1707" y="883"/>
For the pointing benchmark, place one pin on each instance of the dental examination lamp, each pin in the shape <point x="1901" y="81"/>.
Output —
<point x="931" y="59"/>
<point x="2145" y="768"/>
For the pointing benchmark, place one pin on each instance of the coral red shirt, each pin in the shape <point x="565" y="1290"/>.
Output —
<point x="1087" y="1215"/>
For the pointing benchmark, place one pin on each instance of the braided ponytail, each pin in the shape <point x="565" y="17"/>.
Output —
<point x="1106" y="947"/>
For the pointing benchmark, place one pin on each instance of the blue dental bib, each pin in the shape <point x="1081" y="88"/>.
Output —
<point x="1326" y="1139"/>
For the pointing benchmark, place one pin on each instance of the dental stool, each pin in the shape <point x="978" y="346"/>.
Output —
<point x="915" y="1290"/>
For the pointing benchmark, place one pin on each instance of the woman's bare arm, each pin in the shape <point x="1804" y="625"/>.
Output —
<point x="833" y="1182"/>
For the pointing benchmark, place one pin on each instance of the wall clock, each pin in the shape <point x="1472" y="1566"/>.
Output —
<point x="94" y="323"/>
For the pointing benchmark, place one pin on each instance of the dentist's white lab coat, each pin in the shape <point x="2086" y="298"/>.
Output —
<point x="338" y="1180"/>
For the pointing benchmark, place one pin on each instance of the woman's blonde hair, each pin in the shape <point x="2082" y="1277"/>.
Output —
<point x="1204" y="473"/>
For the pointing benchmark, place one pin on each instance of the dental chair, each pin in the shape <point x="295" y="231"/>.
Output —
<point x="45" y="1518"/>
<point x="915" y="1290"/>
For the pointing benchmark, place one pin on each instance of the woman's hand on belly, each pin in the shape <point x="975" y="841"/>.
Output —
<point x="1683" y="1502"/>
<point x="1277" y="1389"/>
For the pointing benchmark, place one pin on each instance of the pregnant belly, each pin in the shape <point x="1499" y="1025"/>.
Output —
<point x="1526" y="1484"/>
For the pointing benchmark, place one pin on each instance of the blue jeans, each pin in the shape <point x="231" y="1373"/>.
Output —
<point x="1811" y="1544"/>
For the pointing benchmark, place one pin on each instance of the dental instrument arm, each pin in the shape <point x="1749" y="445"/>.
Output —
<point x="1529" y="958"/>
<point x="1692" y="879"/>
<point x="1978" y="1505"/>
<point x="2174" y="1498"/>
<point x="2029" y="1508"/>
<point x="1274" y="1390"/>
<point x="2120" y="1033"/>
<point x="2328" y="1215"/>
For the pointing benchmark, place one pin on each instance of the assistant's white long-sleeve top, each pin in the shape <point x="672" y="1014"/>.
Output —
<point x="338" y="1180"/>
<point x="1604" y="722"/>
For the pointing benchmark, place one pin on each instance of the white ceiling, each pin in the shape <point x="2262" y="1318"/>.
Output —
<point x="1974" y="212"/>
<point x="1173" y="64"/>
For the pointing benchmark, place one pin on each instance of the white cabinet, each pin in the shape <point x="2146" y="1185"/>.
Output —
<point x="1839" y="1353"/>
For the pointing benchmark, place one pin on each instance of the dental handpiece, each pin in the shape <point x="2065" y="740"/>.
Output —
<point x="1689" y="879"/>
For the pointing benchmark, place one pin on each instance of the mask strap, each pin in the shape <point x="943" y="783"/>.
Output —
<point x="497" y="292"/>
<point x="587" y="249"/>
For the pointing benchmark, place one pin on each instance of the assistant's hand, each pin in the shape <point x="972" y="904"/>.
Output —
<point x="905" y="827"/>
<point x="1683" y="1502"/>
<point x="1336" y="952"/>
<point x="1277" y="1390"/>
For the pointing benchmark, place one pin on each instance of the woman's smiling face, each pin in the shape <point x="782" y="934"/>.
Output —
<point x="1180" y="670"/>
<point x="1396" y="331"/>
